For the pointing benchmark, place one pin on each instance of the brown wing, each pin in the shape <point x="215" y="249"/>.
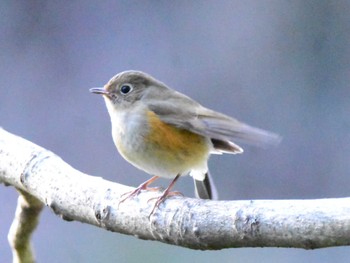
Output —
<point x="183" y="112"/>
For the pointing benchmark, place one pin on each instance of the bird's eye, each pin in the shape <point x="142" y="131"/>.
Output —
<point x="125" y="88"/>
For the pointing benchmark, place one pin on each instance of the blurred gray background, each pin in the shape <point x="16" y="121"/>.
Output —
<point x="279" y="65"/>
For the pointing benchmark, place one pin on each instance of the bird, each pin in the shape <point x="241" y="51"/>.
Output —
<point x="167" y="134"/>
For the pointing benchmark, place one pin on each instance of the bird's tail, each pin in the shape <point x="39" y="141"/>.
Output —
<point x="205" y="189"/>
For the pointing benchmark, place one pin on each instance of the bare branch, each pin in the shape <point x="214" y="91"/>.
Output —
<point x="23" y="225"/>
<point x="193" y="223"/>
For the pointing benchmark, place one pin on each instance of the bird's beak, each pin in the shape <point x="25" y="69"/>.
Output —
<point x="99" y="90"/>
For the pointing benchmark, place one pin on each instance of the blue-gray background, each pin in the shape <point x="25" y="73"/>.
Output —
<point x="279" y="65"/>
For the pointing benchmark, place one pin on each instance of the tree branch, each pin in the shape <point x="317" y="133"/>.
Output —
<point x="23" y="225"/>
<point x="188" y="222"/>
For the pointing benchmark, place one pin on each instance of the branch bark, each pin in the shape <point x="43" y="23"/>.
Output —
<point x="187" y="222"/>
<point x="23" y="225"/>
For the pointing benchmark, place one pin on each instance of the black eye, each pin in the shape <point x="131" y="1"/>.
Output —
<point x="125" y="89"/>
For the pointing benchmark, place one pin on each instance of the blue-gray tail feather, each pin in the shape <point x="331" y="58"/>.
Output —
<point x="206" y="189"/>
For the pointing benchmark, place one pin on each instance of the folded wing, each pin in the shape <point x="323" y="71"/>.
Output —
<point x="183" y="112"/>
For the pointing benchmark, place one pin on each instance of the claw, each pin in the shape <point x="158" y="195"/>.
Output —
<point x="160" y="199"/>
<point x="165" y="194"/>
<point x="136" y="192"/>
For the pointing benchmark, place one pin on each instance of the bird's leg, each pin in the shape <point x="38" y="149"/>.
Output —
<point x="165" y="194"/>
<point x="141" y="187"/>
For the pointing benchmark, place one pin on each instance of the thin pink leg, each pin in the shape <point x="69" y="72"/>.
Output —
<point x="165" y="194"/>
<point x="141" y="187"/>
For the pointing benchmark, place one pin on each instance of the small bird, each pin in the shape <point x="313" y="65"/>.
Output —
<point x="167" y="134"/>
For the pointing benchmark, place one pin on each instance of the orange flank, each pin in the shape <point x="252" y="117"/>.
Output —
<point x="172" y="144"/>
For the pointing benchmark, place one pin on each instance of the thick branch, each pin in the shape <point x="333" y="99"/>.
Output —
<point x="193" y="223"/>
